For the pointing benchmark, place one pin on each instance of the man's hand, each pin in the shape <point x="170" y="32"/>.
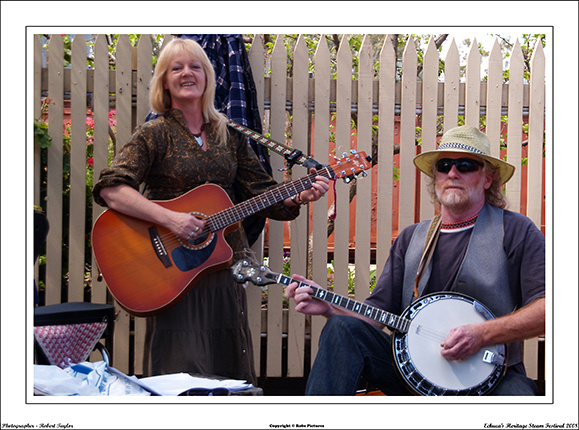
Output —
<point x="304" y="301"/>
<point x="461" y="343"/>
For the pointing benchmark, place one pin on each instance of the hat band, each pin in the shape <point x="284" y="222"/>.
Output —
<point x="456" y="145"/>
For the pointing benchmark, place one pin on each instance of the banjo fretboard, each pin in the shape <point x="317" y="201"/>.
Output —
<point x="390" y="320"/>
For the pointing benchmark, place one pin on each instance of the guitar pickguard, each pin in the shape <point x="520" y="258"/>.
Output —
<point x="189" y="258"/>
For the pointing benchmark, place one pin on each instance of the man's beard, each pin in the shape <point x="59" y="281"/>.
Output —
<point x="461" y="197"/>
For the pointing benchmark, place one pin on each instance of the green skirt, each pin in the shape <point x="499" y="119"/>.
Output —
<point x="206" y="333"/>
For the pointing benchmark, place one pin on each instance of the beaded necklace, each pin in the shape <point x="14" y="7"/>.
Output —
<point x="454" y="227"/>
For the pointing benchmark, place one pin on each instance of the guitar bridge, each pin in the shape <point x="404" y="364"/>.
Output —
<point x="159" y="247"/>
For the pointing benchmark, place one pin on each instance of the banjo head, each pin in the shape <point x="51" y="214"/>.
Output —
<point x="417" y="352"/>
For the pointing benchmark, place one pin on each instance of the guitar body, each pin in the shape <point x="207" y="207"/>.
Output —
<point x="146" y="267"/>
<point x="417" y="349"/>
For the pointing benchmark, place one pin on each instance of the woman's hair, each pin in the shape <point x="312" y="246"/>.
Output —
<point x="160" y="99"/>
<point x="494" y="195"/>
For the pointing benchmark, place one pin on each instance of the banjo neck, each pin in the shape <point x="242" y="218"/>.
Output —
<point x="388" y="319"/>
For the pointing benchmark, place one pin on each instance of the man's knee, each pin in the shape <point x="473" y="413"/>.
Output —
<point x="515" y="384"/>
<point x="341" y="325"/>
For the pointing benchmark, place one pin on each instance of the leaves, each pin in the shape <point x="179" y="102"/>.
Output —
<point x="41" y="137"/>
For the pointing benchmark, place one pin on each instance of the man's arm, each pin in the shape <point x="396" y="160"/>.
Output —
<point x="525" y="323"/>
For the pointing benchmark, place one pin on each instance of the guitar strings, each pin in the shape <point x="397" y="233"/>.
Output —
<point x="234" y="213"/>
<point x="240" y="211"/>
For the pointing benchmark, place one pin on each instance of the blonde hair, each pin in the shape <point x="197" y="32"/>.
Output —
<point x="160" y="99"/>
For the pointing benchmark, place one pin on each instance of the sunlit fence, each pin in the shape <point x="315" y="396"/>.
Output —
<point x="376" y="101"/>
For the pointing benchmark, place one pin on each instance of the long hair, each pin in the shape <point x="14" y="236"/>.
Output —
<point x="494" y="195"/>
<point x="160" y="99"/>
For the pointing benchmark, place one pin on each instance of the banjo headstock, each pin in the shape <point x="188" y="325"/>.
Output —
<point x="248" y="270"/>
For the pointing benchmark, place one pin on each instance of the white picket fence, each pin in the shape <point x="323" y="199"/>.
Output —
<point x="382" y="206"/>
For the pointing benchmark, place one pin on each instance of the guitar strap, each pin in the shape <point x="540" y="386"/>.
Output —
<point x="429" y="245"/>
<point x="292" y="156"/>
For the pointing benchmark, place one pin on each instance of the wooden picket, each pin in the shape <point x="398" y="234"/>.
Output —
<point x="429" y="118"/>
<point x="318" y="105"/>
<point x="257" y="61"/>
<point x="514" y="125"/>
<point x="299" y="230"/>
<point x="321" y="135"/>
<point x="55" y="173"/>
<point x="276" y="228"/>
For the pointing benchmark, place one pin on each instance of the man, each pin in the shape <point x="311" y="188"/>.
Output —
<point x="484" y="251"/>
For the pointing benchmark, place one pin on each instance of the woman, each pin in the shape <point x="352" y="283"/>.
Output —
<point x="188" y="145"/>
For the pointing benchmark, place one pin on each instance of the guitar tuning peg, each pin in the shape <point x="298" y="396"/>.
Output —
<point x="245" y="263"/>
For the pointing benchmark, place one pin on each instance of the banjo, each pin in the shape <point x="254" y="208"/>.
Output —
<point x="417" y="335"/>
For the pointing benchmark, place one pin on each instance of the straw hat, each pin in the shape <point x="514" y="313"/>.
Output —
<point x="469" y="140"/>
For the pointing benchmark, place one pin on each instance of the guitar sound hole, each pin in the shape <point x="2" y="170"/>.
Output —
<point x="199" y="239"/>
<point x="200" y="242"/>
<point x="203" y="239"/>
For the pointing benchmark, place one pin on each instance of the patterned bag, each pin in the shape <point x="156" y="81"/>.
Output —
<point x="68" y="344"/>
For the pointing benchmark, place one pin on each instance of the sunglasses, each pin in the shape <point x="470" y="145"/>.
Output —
<point x="219" y="391"/>
<point x="463" y="165"/>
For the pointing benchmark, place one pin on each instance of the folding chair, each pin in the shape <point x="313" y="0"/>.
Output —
<point x="67" y="333"/>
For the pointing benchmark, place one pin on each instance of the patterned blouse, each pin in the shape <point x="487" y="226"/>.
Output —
<point x="164" y="156"/>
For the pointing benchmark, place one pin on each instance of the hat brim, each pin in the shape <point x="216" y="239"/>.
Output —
<point x="424" y="162"/>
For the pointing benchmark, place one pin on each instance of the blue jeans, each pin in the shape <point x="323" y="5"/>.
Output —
<point x="351" y="348"/>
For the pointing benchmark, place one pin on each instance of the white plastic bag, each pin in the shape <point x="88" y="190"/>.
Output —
<point x="84" y="379"/>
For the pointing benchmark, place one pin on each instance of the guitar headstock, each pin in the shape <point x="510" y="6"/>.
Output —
<point x="248" y="270"/>
<point x="350" y="165"/>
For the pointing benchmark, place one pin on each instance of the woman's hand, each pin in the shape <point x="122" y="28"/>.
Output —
<point x="318" y="189"/>
<point x="316" y="192"/>
<point x="185" y="225"/>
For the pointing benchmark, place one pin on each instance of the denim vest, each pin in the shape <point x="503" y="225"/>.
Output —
<point x="482" y="273"/>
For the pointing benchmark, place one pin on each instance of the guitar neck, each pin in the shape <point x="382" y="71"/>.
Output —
<point x="251" y="206"/>
<point x="388" y="319"/>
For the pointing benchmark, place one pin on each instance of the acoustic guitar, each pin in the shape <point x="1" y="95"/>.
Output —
<point x="148" y="269"/>
<point x="416" y="336"/>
